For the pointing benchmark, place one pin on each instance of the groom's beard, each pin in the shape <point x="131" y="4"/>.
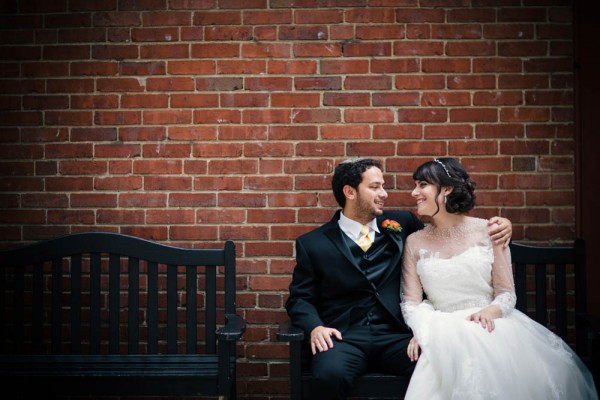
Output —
<point x="367" y="208"/>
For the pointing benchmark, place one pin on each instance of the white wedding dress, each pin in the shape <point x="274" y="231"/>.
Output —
<point x="461" y="271"/>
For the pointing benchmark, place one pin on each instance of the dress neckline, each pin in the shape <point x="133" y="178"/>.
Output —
<point x="459" y="230"/>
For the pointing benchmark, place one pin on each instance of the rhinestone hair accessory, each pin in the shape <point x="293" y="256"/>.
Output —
<point x="443" y="166"/>
<point x="352" y="160"/>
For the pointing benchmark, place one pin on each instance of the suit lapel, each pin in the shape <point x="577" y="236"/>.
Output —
<point x="334" y="233"/>
<point x="396" y="239"/>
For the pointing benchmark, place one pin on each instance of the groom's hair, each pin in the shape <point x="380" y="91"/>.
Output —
<point x="350" y="172"/>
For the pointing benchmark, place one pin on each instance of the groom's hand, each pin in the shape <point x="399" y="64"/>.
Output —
<point x="320" y="338"/>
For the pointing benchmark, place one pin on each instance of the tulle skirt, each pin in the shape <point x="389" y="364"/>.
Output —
<point x="520" y="359"/>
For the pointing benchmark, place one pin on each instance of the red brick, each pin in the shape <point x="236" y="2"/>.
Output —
<point x="473" y="115"/>
<point x="136" y="68"/>
<point x="39" y="134"/>
<point x="259" y="50"/>
<point x="68" y="184"/>
<point x="166" y="18"/>
<point x="317" y="50"/>
<point x="100" y="101"/>
<point x="68" y="217"/>
<point x="295" y="100"/>
<point x="243" y="100"/>
<point x="454" y="131"/>
<point x="92" y="200"/>
<point x="292" y="67"/>
<point x="347" y="99"/>
<point x="167" y="117"/>
<point x="418" y="49"/>
<point x="118" y="183"/>
<point x="239" y="166"/>
<point x="170" y="217"/>
<point x="49" y="200"/>
<point x="227" y="33"/>
<point x="316" y="16"/>
<point x="157" y="166"/>
<point x="528" y="81"/>
<point x="141" y="133"/>
<point x="269" y="216"/>
<point x="241" y="233"/>
<point x="292" y="200"/>
<point x="217" y="216"/>
<point x="160" y="182"/>
<point x="380" y="32"/>
<point x="195" y="232"/>
<point x="319" y="149"/>
<point x="217" y="150"/>
<point x="268" y="183"/>
<point x="211" y="116"/>
<point x="272" y="248"/>
<point x="191" y="200"/>
<point x="422" y="115"/>
<point x="267" y="116"/>
<point x="83" y="167"/>
<point x="242" y="200"/>
<point x="369" y="115"/>
<point x="170" y="84"/>
<point x="66" y="150"/>
<point x="205" y="50"/>
<point x="49" y="69"/>
<point x="522" y="181"/>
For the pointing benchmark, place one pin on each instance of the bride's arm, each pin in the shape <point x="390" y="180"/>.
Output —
<point x="411" y="292"/>
<point x="502" y="280"/>
<point x="504" y="290"/>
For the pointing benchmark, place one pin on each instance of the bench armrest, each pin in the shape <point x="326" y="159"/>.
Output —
<point x="234" y="327"/>
<point x="289" y="333"/>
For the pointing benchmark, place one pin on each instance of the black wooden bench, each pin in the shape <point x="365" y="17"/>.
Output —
<point x="112" y="314"/>
<point x="545" y="278"/>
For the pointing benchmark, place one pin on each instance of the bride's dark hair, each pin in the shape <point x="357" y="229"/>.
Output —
<point x="443" y="172"/>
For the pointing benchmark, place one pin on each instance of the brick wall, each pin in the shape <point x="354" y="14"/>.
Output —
<point x="196" y="121"/>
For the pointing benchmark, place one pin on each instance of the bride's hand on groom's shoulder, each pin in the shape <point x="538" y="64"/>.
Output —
<point x="501" y="232"/>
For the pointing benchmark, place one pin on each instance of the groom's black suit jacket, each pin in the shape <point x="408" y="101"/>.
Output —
<point x="328" y="286"/>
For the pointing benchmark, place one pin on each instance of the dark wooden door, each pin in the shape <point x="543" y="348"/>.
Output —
<point x="587" y="118"/>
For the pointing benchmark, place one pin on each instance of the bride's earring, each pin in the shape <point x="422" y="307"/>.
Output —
<point x="445" y="199"/>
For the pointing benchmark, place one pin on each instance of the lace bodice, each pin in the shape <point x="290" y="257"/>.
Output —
<point x="456" y="268"/>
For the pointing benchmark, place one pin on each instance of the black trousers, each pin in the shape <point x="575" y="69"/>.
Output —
<point x="362" y="348"/>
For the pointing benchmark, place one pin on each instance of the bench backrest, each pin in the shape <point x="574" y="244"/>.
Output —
<point x="109" y="293"/>
<point x="551" y="287"/>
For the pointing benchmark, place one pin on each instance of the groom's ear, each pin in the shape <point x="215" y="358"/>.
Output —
<point x="349" y="192"/>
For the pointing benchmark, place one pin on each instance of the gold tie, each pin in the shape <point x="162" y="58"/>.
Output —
<point x="365" y="241"/>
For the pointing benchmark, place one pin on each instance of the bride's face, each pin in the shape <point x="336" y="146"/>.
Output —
<point x="426" y="194"/>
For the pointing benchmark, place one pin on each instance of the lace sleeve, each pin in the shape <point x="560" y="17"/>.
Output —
<point x="412" y="290"/>
<point x="502" y="280"/>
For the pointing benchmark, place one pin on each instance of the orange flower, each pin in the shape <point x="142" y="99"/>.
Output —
<point x="391" y="225"/>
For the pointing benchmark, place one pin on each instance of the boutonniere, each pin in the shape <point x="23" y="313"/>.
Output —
<point x="391" y="225"/>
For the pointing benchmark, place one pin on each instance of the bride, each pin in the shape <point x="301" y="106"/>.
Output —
<point x="470" y="341"/>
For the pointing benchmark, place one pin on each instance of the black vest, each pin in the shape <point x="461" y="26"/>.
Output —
<point x="374" y="264"/>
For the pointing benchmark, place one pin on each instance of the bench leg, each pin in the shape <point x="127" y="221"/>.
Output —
<point x="295" y="370"/>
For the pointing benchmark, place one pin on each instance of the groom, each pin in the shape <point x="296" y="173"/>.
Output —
<point x="345" y="289"/>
